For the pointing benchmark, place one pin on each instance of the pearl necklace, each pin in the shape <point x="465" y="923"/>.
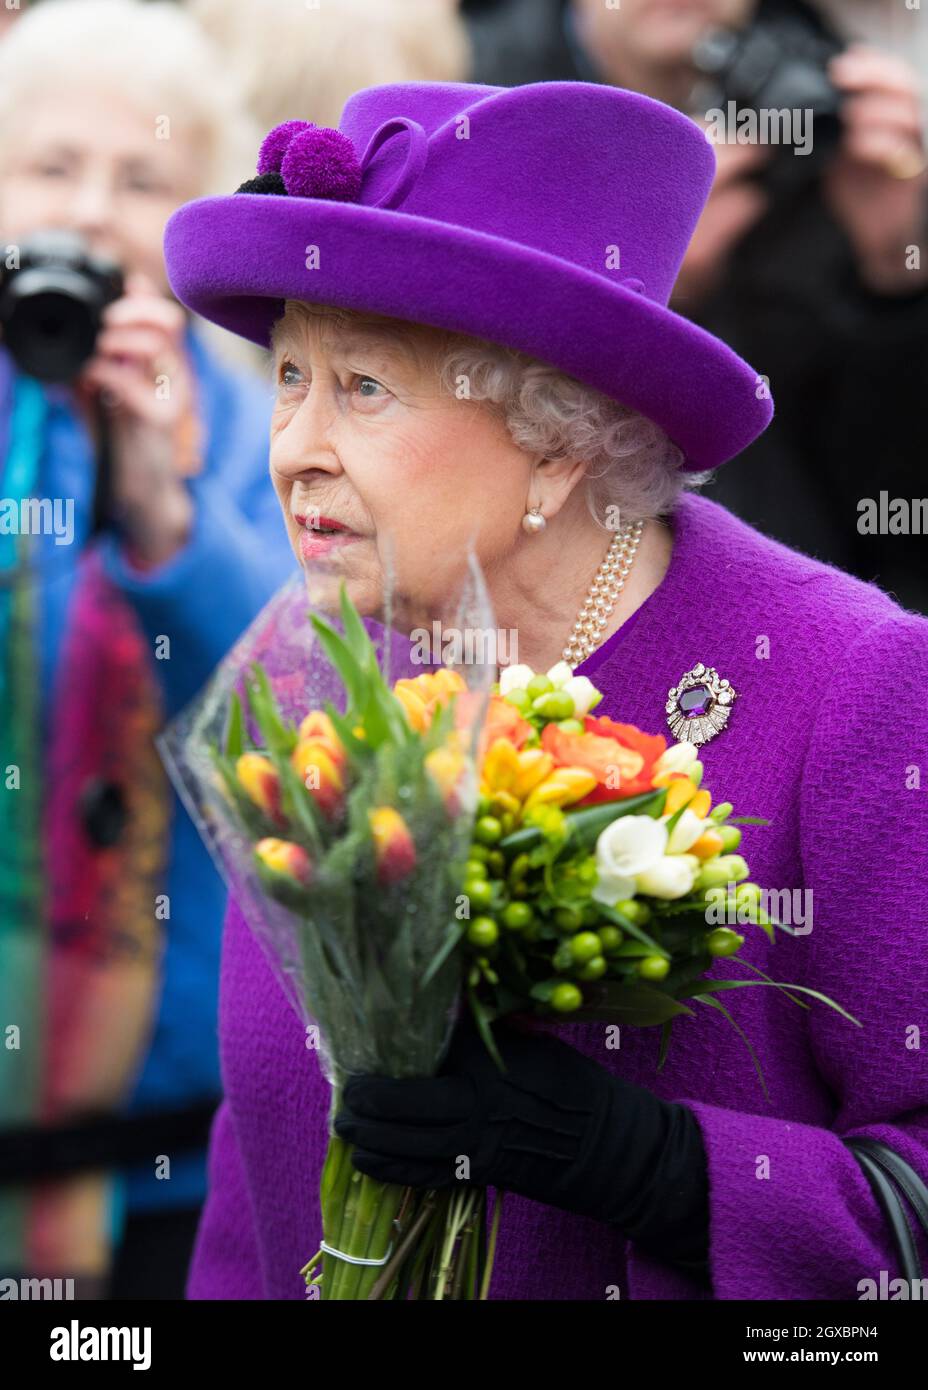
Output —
<point x="593" y="618"/>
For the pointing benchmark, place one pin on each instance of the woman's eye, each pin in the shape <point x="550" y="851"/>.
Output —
<point x="286" y="374"/>
<point x="364" y="385"/>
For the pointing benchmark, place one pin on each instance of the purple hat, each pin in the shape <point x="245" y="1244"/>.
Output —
<point x="551" y="218"/>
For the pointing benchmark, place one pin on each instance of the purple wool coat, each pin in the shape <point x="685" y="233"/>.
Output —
<point x="829" y="741"/>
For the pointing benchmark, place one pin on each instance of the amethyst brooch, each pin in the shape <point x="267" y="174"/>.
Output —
<point x="699" y="704"/>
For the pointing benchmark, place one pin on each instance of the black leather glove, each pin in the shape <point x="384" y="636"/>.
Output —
<point x="556" y="1127"/>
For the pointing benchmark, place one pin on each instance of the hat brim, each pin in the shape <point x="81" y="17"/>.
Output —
<point x="236" y="259"/>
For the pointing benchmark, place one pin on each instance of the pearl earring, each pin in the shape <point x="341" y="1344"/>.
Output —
<point x="533" y="522"/>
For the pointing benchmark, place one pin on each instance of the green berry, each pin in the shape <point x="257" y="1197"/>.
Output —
<point x="611" y="938"/>
<point x="723" y="942"/>
<point x="520" y="698"/>
<point x="517" y="916"/>
<point x="474" y="868"/>
<point x="594" y="968"/>
<point x="636" y="912"/>
<point x="479" y="892"/>
<point x="488" y="830"/>
<point x="570" y="726"/>
<point x="731" y="837"/>
<point x="721" y="812"/>
<point x="568" y="919"/>
<point x="584" y="946"/>
<point x="566" y="997"/>
<point x="653" y="967"/>
<point x="483" y="931"/>
<point x="539" y="685"/>
<point x="496" y="862"/>
<point x="556" y="704"/>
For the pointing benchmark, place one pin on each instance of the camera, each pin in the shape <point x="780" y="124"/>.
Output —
<point x="778" y="64"/>
<point x="52" y="302"/>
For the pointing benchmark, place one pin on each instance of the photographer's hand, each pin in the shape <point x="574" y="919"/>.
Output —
<point x="142" y="368"/>
<point x="877" y="187"/>
<point x="737" y="201"/>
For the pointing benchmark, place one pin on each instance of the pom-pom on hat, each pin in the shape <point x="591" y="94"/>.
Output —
<point x="550" y="218"/>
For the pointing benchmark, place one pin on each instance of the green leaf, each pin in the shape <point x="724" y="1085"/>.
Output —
<point x="342" y="659"/>
<point x="638" y="1005"/>
<point x="585" y="826"/>
<point x="665" y="1043"/>
<point x="277" y="737"/>
<point x="712" y="986"/>
<point x="455" y="935"/>
<point x="356" y="635"/>
<point x="611" y="914"/>
<point x="717" y="1004"/>
<point x="235" y="728"/>
<point x="483" y="1027"/>
<point x="358" y="749"/>
<point x="300" y="805"/>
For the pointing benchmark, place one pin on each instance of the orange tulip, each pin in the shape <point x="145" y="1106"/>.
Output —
<point x="394" y="850"/>
<point x="260" y="781"/>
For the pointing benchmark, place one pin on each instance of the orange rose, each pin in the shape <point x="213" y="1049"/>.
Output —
<point x="620" y="756"/>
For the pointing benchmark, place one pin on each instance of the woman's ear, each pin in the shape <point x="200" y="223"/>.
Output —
<point x="553" y="481"/>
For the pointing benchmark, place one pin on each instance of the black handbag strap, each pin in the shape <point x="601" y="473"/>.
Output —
<point x="889" y="1175"/>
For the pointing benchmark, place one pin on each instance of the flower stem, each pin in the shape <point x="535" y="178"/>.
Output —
<point x="494" y="1231"/>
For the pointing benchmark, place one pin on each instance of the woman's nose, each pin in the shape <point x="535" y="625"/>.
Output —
<point x="91" y="207"/>
<point x="306" y="445"/>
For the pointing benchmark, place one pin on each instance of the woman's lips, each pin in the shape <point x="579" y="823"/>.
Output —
<point x="315" y="544"/>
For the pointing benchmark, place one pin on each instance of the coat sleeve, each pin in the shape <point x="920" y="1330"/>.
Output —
<point x="225" y="1262"/>
<point x="812" y="1228"/>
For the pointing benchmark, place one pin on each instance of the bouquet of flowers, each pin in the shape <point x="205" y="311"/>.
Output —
<point x="422" y="843"/>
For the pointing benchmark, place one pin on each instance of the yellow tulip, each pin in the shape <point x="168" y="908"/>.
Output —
<point x="284" y="858"/>
<point x="394" y="849"/>
<point x="259" y="779"/>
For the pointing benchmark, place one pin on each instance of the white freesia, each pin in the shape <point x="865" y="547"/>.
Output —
<point x="671" y="877"/>
<point x="686" y="831"/>
<point x="514" y="678"/>
<point x="559" y="675"/>
<point x="625" y="849"/>
<point x="583" y="693"/>
<point x="677" y="758"/>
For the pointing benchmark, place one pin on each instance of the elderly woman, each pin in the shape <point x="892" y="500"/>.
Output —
<point x="113" y="112"/>
<point x="465" y="291"/>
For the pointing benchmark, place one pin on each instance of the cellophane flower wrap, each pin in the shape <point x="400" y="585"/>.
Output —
<point x="343" y="831"/>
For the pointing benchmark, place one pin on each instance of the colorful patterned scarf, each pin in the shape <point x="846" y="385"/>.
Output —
<point x="79" y="953"/>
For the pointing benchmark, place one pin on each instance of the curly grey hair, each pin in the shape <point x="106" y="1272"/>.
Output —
<point x="633" y="470"/>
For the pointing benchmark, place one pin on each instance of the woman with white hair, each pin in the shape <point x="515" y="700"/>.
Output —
<point x="111" y="113"/>
<point x="465" y="290"/>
